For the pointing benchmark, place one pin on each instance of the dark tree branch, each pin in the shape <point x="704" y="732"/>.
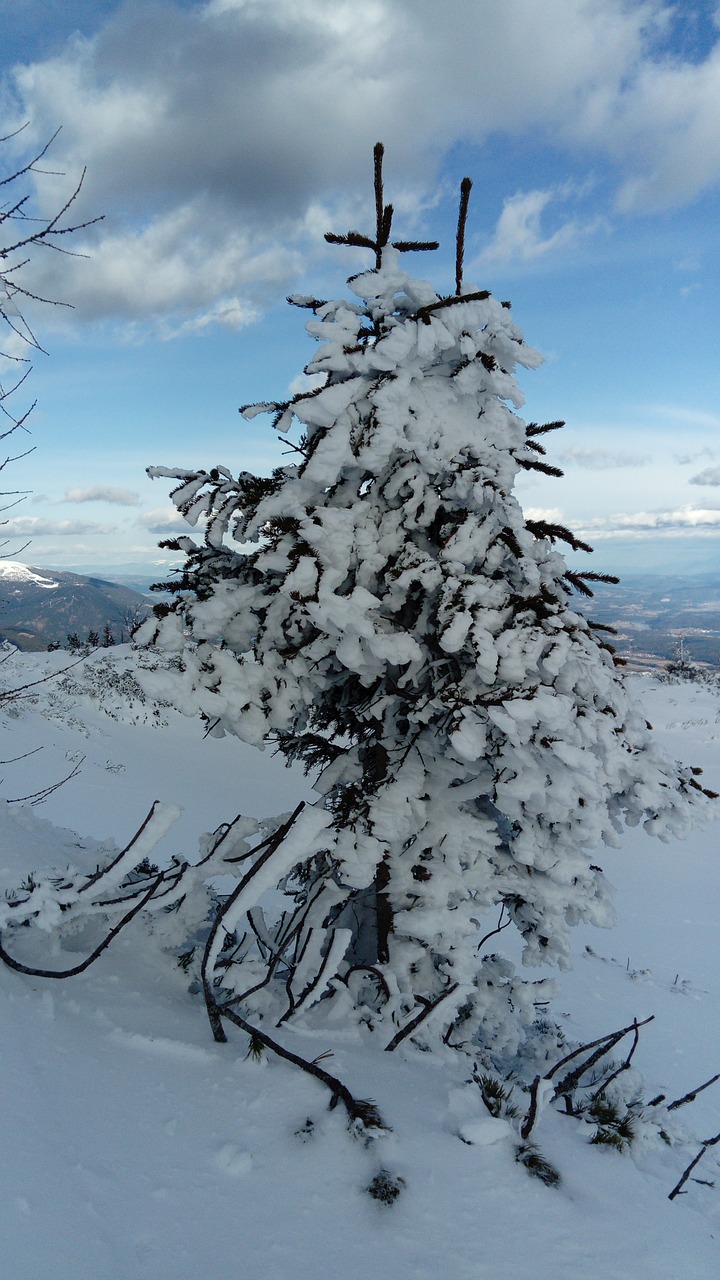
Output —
<point x="692" y="1095"/>
<point x="50" y="227"/>
<point x="425" y="313"/>
<point x="378" y="153"/>
<point x="571" y="1080"/>
<point x="465" y="189"/>
<point x="362" y="1114"/>
<point x="37" y="797"/>
<point x="419" y="1018"/>
<point x="100" y="874"/>
<point x="85" y="964"/>
<point x="709" y="1142"/>
<point x="415" y="246"/>
<point x="624" y="1066"/>
<point x="498" y="928"/>
<point x="270" y="846"/>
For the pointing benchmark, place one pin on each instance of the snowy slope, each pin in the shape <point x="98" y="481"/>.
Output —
<point x="135" y="1147"/>
<point x="12" y="572"/>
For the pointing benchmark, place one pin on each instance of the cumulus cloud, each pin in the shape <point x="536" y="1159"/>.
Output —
<point x="35" y="526"/>
<point x="212" y="130"/>
<point x="711" y="475"/>
<point x="103" y="493"/>
<point x="699" y="519"/>
<point x="551" y="515"/>
<point x="162" y="520"/>
<point x="519" y="235"/>
<point x="665" y="124"/>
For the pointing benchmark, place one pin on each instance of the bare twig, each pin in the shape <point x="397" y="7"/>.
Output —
<point x="270" y="846"/>
<point x="361" y="1113"/>
<point x="37" y="797"/>
<point x="624" y="1066"/>
<point x="100" y="874"/>
<point x="11" y="695"/>
<point x="709" y="1142"/>
<point x="24" y="756"/>
<point x="498" y="928"/>
<point x="429" y="1007"/>
<point x="692" y="1095"/>
<point x="570" y="1081"/>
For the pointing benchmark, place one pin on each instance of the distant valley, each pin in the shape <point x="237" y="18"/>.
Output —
<point x="653" y="614"/>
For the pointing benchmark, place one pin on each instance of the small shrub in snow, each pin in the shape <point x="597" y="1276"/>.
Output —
<point x="682" y="668"/>
<point x="531" y="1158"/>
<point x="385" y="1187"/>
<point x="615" y="1125"/>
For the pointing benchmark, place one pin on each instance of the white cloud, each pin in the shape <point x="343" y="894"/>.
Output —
<point x="711" y="475"/>
<point x="180" y="265"/>
<point x="551" y="515"/>
<point x="687" y="459"/>
<point x="666" y="126"/>
<point x="35" y="526"/>
<point x="212" y="131"/>
<point x="683" y="518"/>
<point x="519" y="234"/>
<point x="103" y="493"/>
<point x="162" y="520"/>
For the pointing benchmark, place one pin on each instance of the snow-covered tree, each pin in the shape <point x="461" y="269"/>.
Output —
<point x="383" y="611"/>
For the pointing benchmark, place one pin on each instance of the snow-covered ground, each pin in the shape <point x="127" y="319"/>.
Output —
<point x="134" y="1146"/>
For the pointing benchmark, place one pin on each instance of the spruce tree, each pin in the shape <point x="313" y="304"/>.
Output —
<point x="382" y="611"/>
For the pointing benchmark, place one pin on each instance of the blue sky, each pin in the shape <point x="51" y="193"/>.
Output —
<point x="223" y="137"/>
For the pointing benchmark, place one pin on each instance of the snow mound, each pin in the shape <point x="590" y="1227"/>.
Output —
<point x="140" y="1148"/>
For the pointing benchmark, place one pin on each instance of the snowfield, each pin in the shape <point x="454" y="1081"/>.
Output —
<point x="135" y="1146"/>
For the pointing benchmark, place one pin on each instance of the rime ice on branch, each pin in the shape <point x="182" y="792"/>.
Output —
<point x="383" y="612"/>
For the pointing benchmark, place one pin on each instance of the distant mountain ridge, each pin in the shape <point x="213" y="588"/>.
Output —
<point x="39" y="607"/>
<point x="652" y="613"/>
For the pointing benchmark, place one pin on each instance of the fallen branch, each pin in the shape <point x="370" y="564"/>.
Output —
<point x="428" y="1008"/>
<point x="709" y="1142"/>
<point x="269" y="848"/>
<point x="572" y="1079"/>
<point x="692" y="1095"/>
<point x="362" y="1113"/>
<point x="624" y="1066"/>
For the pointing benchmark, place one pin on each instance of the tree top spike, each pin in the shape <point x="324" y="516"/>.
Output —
<point x="383" y="220"/>
<point x="465" y="189"/>
<point x="380" y="214"/>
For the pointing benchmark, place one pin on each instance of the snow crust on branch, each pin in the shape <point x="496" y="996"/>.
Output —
<point x="383" y="612"/>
